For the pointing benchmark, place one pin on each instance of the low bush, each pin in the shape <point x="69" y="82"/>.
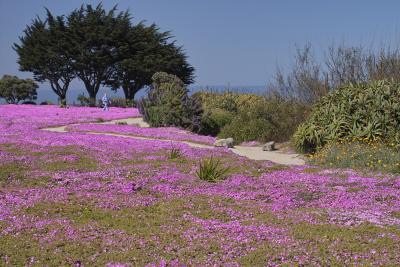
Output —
<point x="118" y="102"/>
<point x="83" y="100"/>
<point x="211" y="170"/>
<point x="254" y="123"/>
<point x="168" y="104"/>
<point x="228" y="101"/>
<point x="270" y="119"/>
<point x="214" y="120"/>
<point x="250" y="117"/>
<point x="359" y="155"/>
<point x="367" y="111"/>
<point x="28" y="103"/>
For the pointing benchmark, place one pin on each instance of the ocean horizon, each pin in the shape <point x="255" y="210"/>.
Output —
<point x="46" y="94"/>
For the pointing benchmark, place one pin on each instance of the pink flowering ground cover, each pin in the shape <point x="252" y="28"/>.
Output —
<point x="78" y="199"/>
<point x="168" y="133"/>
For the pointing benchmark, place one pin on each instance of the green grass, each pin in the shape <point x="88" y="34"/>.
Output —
<point x="13" y="173"/>
<point x="83" y="164"/>
<point x="147" y="223"/>
<point x="323" y="240"/>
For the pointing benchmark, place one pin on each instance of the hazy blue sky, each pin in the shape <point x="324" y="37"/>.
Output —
<point x="236" y="42"/>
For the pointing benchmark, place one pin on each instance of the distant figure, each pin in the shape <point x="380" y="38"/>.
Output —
<point x="105" y="101"/>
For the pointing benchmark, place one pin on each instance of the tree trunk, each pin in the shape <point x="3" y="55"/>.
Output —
<point x="92" y="90"/>
<point x="92" y="99"/>
<point x="130" y="91"/>
<point x="63" y="100"/>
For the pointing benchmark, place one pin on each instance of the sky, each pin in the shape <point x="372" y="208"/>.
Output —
<point x="230" y="42"/>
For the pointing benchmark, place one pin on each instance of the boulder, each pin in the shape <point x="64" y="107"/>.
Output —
<point x="270" y="146"/>
<point x="228" y="142"/>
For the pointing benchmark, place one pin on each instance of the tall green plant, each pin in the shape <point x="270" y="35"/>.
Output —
<point x="367" y="111"/>
<point x="169" y="104"/>
<point x="211" y="170"/>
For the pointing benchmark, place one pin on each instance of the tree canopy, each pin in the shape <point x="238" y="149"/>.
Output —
<point x="101" y="48"/>
<point x="149" y="51"/>
<point x="45" y="50"/>
<point x="14" y="90"/>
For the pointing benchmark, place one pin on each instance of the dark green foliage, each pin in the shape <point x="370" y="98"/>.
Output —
<point x="255" y="123"/>
<point x="28" y="102"/>
<point x="121" y="102"/>
<point x="370" y="112"/>
<point x="148" y="51"/>
<point x="168" y="104"/>
<point x="83" y="100"/>
<point x="211" y="170"/>
<point x="270" y="119"/>
<point x="14" y="90"/>
<point x="44" y="49"/>
<point x="248" y="117"/>
<point x="99" y="47"/>
<point x="97" y="38"/>
<point x="214" y="120"/>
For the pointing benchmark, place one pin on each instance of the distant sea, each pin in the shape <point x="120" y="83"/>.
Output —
<point x="46" y="94"/>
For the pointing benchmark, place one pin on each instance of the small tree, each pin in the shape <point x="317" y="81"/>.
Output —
<point x="14" y="90"/>
<point x="168" y="104"/>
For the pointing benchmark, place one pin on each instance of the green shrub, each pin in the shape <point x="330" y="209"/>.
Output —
<point x="168" y="104"/>
<point x="228" y="101"/>
<point x="370" y="112"/>
<point x="359" y="155"/>
<point x="119" y="102"/>
<point x="83" y="100"/>
<point x="211" y="170"/>
<point x="249" y="125"/>
<point x="225" y="101"/>
<point x="270" y="119"/>
<point x="213" y="121"/>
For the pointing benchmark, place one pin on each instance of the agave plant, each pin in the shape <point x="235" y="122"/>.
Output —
<point x="368" y="111"/>
<point x="211" y="170"/>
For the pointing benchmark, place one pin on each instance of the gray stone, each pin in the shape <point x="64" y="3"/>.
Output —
<point x="270" y="146"/>
<point x="228" y="142"/>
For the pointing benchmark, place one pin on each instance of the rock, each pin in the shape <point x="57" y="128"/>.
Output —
<point x="228" y="142"/>
<point x="270" y="146"/>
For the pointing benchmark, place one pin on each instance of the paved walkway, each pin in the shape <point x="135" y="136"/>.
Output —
<point x="255" y="153"/>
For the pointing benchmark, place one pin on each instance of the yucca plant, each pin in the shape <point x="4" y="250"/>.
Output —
<point x="211" y="170"/>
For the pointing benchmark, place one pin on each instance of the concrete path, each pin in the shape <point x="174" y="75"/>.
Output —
<point x="255" y="152"/>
